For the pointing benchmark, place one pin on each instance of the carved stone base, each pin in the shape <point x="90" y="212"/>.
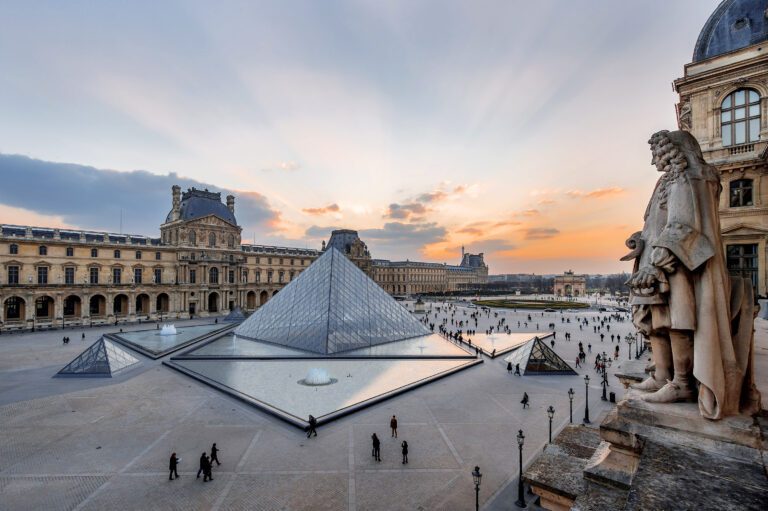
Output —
<point x="625" y="431"/>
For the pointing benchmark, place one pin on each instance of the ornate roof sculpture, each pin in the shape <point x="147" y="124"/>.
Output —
<point x="102" y="358"/>
<point x="331" y="307"/>
<point x="735" y="24"/>
<point x="201" y="203"/>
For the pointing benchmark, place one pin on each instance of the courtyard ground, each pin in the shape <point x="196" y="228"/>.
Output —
<point x="95" y="444"/>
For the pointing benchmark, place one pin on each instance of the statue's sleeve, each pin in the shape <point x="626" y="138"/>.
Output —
<point x="682" y="233"/>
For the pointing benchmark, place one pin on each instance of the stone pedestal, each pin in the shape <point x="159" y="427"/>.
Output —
<point x="634" y="423"/>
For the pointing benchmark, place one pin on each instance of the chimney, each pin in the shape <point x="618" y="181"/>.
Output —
<point x="231" y="203"/>
<point x="176" y="202"/>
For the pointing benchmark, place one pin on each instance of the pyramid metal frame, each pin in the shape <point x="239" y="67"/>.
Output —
<point x="331" y="307"/>
<point x="102" y="358"/>
<point x="535" y="357"/>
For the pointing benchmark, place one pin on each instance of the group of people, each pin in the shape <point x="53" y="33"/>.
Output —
<point x="376" y="443"/>
<point x="206" y="465"/>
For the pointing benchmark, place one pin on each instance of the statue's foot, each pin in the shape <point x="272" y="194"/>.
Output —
<point x="670" y="393"/>
<point x="649" y="385"/>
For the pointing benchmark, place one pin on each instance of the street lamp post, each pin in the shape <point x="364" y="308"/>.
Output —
<point x="520" y="497"/>
<point x="586" y="403"/>
<point x="477" y="476"/>
<point x="551" y="414"/>
<point x="570" y="397"/>
<point x="629" y="340"/>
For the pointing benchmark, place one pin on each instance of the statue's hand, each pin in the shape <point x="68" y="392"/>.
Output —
<point x="662" y="258"/>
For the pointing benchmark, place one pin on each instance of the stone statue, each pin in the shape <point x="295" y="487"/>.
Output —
<point x="698" y="319"/>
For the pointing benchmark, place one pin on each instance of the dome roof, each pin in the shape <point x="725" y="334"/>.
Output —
<point x="201" y="203"/>
<point x="735" y="24"/>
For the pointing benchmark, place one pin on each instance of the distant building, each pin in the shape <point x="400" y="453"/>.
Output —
<point x="723" y="103"/>
<point x="570" y="285"/>
<point x="197" y="267"/>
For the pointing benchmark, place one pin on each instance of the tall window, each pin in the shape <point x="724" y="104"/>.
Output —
<point x="117" y="275"/>
<point x="212" y="240"/>
<point x="192" y="276"/>
<point x="740" y="117"/>
<point x="231" y="276"/>
<point x="269" y="276"/>
<point x="231" y="241"/>
<point x="94" y="252"/>
<point x="13" y="275"/>
<point x="70" y="252"/>
<point x="69" y="275"/>
<point x="13" y="308"/>
<point x="13" y="249"/>
<point x="42" y="274"/>
<point x="257" y="275"/>
<point x="192" y="238"/>
<point x="157" y="256"/>
<point x="740" y="193"/>
<point x="138" y="254"/>
<point x="158" y="276"/>
<point x="117" y="254"/>
<point x="281" y="276"/>
<point x="213" y="276"/>
<point x="137" y="275"/>
<point x="43" y="250"/>
<point x="742" y="261"/>
<point x="93" y="275"/>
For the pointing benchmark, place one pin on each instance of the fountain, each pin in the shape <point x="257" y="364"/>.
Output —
<point x="316" y="377"/>
<point x="168" y="329"/>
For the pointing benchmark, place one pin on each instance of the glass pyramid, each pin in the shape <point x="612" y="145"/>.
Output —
<point x="102" y="358"/>
<point x="535" y="357"/>
<point x="331" y="307"/>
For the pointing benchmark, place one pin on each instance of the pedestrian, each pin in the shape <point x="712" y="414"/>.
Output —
<point x="404" y="445"/>
<point x="208" y="472"/>
<point x="577" y="361"/>
<point x="63" y="340"/>
<point x="203" y="463"/>
<point x="590" y="347"/>
<point x="312" y="426"/>
<point x="517" y="369"/>
<point x="509" y="367"/>
<point x="82" y="336"/>
<point x="376" y="453"/>
<point x="173" y="465"/>
<point x="215" y="455"/>
<point x="393" y="426"/>
<point x="525" y="400"/>
<point x="493" y="353"/>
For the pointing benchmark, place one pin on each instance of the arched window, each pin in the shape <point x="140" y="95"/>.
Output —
<point x="231" y="241"/>
<point x="740" y="117"/>
<point x="212" y="240"/>
<point x="213" y="276"/>
<point x="192" y="238"/>
<point x="740" y="193"/>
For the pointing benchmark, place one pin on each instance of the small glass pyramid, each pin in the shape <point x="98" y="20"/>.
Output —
<point x="535" y="357"/>
<point x="331" y="307"/>
<point x="102" y="358"/>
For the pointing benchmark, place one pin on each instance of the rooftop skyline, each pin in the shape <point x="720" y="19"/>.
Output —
<point x="514" y="129"/>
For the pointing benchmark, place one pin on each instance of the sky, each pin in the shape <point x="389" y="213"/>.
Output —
<point x="517" y="129"/>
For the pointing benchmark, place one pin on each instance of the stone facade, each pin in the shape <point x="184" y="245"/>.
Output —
<point x="569" y="284"/>
<point x="724" y="104"/>
<point x="198" y="267"/>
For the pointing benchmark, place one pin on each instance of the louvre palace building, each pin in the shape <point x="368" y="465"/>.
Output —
<point x="197" y="267"/>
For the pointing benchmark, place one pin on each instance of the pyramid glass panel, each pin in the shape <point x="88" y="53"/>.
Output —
<point x="331" y="307"/>
<point x="535" y="357"/>
<point x="102" y="358"/>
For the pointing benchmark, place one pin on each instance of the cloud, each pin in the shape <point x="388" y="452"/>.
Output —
<point x="405" y="211"/>
<point x="470" y="230"/>
<point x="527" y="212"/>
<point x="330" y="208"/>
<point x="408" y="234"/>
<point x="92" y="198"/>
<point x="546" y="202"/>
<point x="540" y="233"/>
<point x="597" y="193"/>
<point x="283" y="166"/>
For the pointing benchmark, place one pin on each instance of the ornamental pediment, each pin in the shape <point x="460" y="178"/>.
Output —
<point x="745" y="230"/>
<point x="210" y="220"/>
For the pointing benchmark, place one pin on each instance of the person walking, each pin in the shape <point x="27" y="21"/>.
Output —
<point x="509" y="367"/>
<point x="203" y="463"/>
<point x="173" y="467"/>
<point x="404" y="445"/>
<point x="215" y="455"/>
<point x="525" y="400"/>
<point x="517" y="369"/>
<point x="312" y="426"/>
<point x="208" y="472"/>
<point x="376" y="447"/>
<point x="578" y="360"/>
<point x="393" y="426"/>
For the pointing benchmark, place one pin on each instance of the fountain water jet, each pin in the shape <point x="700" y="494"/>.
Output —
<point x="168" y="329"/>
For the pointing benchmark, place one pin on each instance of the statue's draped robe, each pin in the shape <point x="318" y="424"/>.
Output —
<point x="683" y="218"/>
